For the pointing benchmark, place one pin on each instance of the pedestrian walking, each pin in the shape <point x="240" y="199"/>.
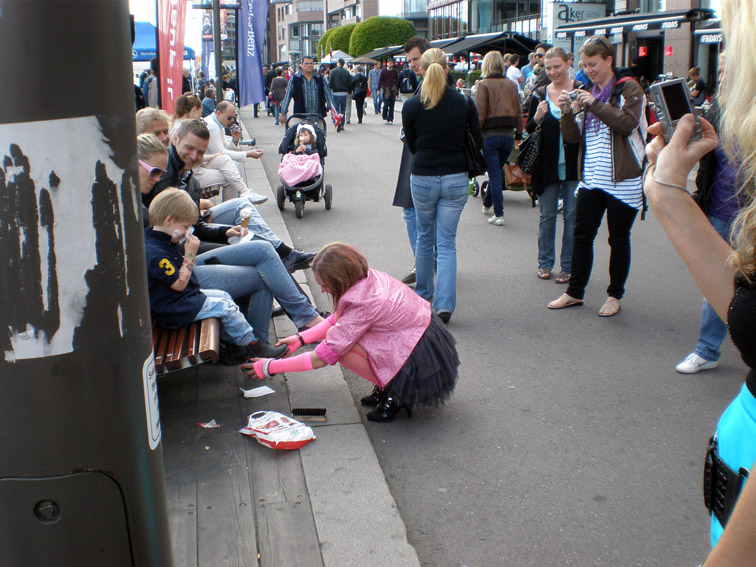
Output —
<point x="435" y="128"/>
<point x="380" y="330"/>
<point x="388" y="84"/>
<point x="373" y="78"/>
<point x="359" y="91"/>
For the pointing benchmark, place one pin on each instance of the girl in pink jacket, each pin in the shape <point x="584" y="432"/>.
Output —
<point x="381" y="330"/>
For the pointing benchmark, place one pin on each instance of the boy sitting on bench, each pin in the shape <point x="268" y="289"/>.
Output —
<point x="176" y="299"/>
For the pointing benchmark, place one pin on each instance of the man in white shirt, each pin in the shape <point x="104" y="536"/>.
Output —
<point x="513" y="73"/>
<point x="217" y="168"/>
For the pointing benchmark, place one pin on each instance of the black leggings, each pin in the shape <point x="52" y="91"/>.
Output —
<point x="359" y="100"/>
<point x="591" y="204"/>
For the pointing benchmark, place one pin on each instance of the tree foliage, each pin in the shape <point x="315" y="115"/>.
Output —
<point x="379" y="31"/>
<point x="340" y="37"/>
<point x="324" y="42"/>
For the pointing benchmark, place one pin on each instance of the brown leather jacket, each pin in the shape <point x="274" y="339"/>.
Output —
<point x="621" y="120"/>
<point x="498" y="105"/>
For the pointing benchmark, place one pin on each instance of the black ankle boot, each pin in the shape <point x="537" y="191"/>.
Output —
<point x="373" y="399"/>
<point x="387" y="410"/>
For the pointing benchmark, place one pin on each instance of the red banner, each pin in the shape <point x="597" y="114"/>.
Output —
<point x="171" y="17"/>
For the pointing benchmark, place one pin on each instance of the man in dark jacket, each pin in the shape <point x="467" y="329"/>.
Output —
<point x="341" y="85"/>
<point x="309" y="92"/>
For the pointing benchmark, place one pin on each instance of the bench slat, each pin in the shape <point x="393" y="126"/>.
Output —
<point x="188" y="346"/>
<point x="193" y="344"/>
<point x="176" y="353"/>
<point x="209" y="340"/>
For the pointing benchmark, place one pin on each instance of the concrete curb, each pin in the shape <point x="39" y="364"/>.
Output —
<point x="355" y="515"/>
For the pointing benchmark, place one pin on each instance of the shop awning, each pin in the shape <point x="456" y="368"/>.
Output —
<point x="442" y="43"/>
<point x="384" y="52"/>
<point x="632" y="22"/>
<point x="473" y="43"/>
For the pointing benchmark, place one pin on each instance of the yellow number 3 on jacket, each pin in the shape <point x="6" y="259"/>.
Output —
<point x="169" y="269"/>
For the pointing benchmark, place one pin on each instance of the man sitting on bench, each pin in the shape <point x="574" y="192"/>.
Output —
<point x="176" y="299"/>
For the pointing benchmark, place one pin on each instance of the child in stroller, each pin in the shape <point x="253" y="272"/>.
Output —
<point x="302" y="149"/>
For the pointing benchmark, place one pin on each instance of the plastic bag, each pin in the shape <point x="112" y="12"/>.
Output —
<point x="277" y="431"/>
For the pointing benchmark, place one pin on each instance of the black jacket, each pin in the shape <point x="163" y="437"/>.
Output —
<point x="359" y="85"/>
<point x="340" y="80"/>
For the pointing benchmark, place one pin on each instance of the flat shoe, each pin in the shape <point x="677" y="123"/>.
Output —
<point x="562" y="278"/>
<point x="610" y="308"/>
<point x="565" y="301"/>
<point x="544" y="274"/>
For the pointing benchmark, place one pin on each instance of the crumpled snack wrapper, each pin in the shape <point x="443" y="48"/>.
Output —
<point x="277" y="431"/>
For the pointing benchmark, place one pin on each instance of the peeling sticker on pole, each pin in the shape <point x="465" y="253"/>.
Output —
<point x="52" y="170"/>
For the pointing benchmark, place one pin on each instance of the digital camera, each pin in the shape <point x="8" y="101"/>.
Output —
<point x="672" y="101"/>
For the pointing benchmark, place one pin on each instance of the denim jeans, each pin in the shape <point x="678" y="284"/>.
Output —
<point x="377" y="99"/>
<point x="713" y="330"/>
<point x="234" y="327"/>
<point x="254" y="269"/>
<point x="548" y="201"/>
<point x="339" y="101"/>
<point x="410" y="219"/>
<point x="229" y="212"/>
<point x="439" y="201"/>
<point x="589" y="212"/>
<point x="277" y="112"/>
<point x="496" y="150"/>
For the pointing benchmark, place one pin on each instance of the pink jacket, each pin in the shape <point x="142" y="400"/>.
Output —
<point x="385" y="317"/>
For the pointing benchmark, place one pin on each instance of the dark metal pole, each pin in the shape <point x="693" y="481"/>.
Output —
<point x="218" y="51"/>
<point x="81" y="473"/>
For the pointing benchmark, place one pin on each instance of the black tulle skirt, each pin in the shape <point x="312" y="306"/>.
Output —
<point x="430" y="374"/>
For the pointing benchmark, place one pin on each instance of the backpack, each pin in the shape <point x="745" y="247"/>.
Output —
<point x="638" y="138"/>
<point x="405" y="84"/>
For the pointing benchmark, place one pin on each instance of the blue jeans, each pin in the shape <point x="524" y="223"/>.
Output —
<point x="410" y="219"/>
<point x="254" y="269"/>
<point x="548" y="201"/>
<point x="234" y="327"/>
<point x="339" y="101"/>
<point x="439" y="201"/>
<point x="277" y="112"/>
<point x="229" y="212"/>
<point x="713" y="330"/>
<point x="496" y="150"/>
<point x="376" y="99"/>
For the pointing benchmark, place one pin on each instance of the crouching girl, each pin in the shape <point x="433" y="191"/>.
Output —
<point x="381" y="330"/>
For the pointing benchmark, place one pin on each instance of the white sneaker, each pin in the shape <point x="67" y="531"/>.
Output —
<point x="498" y="221"/>
<point x="694" y="363"/>
<point x="486" y="210"/>
<point x="256" y="198"/>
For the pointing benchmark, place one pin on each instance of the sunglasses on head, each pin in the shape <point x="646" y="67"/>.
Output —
<point x="155" y="172"/>
<point x="596" y="39"/>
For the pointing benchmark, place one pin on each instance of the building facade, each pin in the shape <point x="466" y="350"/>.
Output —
<point x="295" y="28"/>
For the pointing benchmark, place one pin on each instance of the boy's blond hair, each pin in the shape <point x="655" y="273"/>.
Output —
<point x="174" y="203"/>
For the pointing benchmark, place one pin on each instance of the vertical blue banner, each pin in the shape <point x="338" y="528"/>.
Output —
<point x="207" y="52"/>
<point x="251" y="33"/>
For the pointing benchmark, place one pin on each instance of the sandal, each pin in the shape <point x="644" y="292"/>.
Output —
<point x="563" y="278"/>
<point x="544" y="274"/>
<point x="610" y="308"/>
<point x="565" y="301"/>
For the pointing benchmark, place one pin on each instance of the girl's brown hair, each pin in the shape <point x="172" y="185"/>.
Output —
<point x="599" y="45"/>
<point x="339" y="266"/>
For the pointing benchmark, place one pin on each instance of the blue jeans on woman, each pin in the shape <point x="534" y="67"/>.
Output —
<point x="277" y="112"/>
<point x="235" y="329"/>
<point x="439" y="201"/>
<point x="254" y="269"/>
<point x="549" y="202"/>
<point x="496" y="150"/>
<point x="229" y="212"/>
<point x="713" y="329"/>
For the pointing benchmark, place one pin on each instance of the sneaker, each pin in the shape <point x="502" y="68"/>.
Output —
<point x="255" y="198"/>
<point x="445" y="316"/>
<point x="385" y="121"/>
<point x="297" y="260"/>
<point x="410" y="278"/>
<point x="498" y="221"/>
<point x="487" y="210"/>
<point x="694" y="363"/>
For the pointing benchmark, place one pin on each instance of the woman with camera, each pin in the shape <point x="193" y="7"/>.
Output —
<point x="725" y="274"/>
<point x="558" y="171"/>
<point x="610" y="170"/>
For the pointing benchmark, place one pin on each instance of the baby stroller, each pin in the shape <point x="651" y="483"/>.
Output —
<point x="512" y="177"/>
<point x="312" y="189"/>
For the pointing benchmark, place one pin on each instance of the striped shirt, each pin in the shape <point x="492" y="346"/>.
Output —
<point x="597" y="170"/>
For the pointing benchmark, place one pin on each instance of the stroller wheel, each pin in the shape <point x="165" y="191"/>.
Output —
<point x="280" y="197"/>
<point x="299" y="208"/>
<point x="476" y="189"/>
<point x="484" y="188"/>
<point x="327" y="196"/>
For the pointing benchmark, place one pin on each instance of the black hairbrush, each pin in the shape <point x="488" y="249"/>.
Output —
<point x="309" y="414"/>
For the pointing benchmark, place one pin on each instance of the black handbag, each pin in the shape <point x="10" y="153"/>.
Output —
<point x="530" y="152"/>
<point x="476" y="162"/>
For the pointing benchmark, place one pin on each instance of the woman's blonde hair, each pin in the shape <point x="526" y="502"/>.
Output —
<point x="434" y="81"/>
<point x="738" y="121"/>
<point x="493" y="64"/>
<point x="557" y="52"/>
<point x="148" y="145"/>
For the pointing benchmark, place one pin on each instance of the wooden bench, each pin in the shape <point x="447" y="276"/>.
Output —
<point x="181" y="348"/>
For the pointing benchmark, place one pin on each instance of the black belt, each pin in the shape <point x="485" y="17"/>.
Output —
<point x="721" y="484"/>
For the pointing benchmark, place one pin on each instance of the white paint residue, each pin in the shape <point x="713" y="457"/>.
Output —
<point x="120" y="320"/>
<point x="70" y="148"/>
<point x="151" y="402"/>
